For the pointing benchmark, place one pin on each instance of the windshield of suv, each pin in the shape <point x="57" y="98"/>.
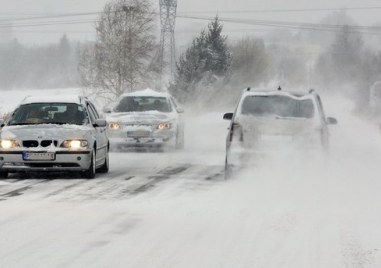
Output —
<point x="143" y="104"/>
<point x="282" y="106"/>
<point x="49" y="113"/>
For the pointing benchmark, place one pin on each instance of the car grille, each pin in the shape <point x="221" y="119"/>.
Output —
<point x="138" y="134"/>
<point x="35" y="143"/>
<point x="138" y="125"/>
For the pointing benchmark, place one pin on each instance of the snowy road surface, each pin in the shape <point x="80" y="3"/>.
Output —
<point x="175" y="210"/>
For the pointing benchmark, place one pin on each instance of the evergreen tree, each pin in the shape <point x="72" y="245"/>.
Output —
<point x="208" y="57"/>
<point x="218" y="56"/>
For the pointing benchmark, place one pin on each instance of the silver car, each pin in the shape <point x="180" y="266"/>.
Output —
<point x="267" y="119"/>
<point x="54" y="134"/>
<point x="145" y="119"/>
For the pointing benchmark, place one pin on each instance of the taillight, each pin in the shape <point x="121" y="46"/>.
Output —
<point x="236" y="132"/>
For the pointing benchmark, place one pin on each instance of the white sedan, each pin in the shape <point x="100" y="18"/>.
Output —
<point x="145" y="119"/>
<point x="54" y="134"/>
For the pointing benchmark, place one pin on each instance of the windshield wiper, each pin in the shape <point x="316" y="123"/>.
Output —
<point x="22" y="124"/>
<point x="55" y="123"/>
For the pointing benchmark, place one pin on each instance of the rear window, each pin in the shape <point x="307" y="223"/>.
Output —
<point x="277" y="105"/>
<point x="143" y="104"/>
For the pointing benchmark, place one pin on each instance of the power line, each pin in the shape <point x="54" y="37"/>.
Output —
<point x="64" y="15"/>
<point x="296" y="26"/>
<point x="374" y="30"/>
<point x="67" y="15"/>
<point x="282" y="10"/>
<point x="45" y="23"/>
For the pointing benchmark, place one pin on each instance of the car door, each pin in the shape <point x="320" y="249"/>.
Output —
<point x="100" y="132"/>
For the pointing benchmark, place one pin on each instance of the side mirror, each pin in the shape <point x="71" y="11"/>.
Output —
<point x="331" y="121"/>
<point x="228" y="116"/>
<point x="100" y="123"/>
<point x="180" y="110"/>
<point x="107" y="110"/>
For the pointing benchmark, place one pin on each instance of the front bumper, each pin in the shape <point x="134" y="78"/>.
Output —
<point x="12" y="161"/>
<point x="150" y="139"/>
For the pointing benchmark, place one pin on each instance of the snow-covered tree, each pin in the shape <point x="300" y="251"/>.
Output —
<point x="124" y="48"/>
<point x="205" y="61"/>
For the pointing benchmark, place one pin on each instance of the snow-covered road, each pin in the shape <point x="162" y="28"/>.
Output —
<point x="175" y="210"/>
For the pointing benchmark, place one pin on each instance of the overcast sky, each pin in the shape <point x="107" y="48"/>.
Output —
<point x="84" y="30"/>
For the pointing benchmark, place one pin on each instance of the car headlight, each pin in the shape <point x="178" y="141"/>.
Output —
<point x="164" y="126"/>
<point x="114" y="126"/>
<point x="75" y="144"/>
<point x="8" y="144"/>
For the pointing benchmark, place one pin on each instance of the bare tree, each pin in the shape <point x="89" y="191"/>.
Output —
<point x="120" y="59"/>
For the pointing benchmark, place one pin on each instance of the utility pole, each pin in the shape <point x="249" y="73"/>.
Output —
<point x="167" y="40"/>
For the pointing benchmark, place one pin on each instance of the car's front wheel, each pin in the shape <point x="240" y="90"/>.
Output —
<point x="179" y="140"/>
<point x="3" y="175"/>
<point x="228" y="170"/>
<point x="91" y="171"/>
<point x="106" y="166"/>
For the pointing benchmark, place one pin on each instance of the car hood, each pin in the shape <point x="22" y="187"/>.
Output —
<point x="44" y="132"/>
<point x="144" y="118"/>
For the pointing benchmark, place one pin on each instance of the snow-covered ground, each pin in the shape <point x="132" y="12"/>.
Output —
<point x="175" y="210"/>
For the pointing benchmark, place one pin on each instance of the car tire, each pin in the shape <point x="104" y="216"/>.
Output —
<point x="179" y="140"/>
<point x="228" y="170"/>
<point x="91" y="171"/>
<point x="106" y="166"/>
<point x="324" y="138"/>
<point x="3" y="175"/>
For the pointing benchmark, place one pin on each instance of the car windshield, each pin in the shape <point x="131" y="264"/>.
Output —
<point x="282" y="106"/>
<point x="49" y="113"/>
<point x="143" y="104"/>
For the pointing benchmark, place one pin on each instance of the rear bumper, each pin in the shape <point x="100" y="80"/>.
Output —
<point x="64" y="161"/>
<point x="241" y="153"/>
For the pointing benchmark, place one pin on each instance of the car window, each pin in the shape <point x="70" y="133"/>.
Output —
<point x="143" y="104"/>
<point x="282" y="106"/>
<point x="320" y="104"/>
<point x="174" y="103"/>
<point x="49" y="113"/>
<point x="94" y="110"/>
<point x="92" y="113"/>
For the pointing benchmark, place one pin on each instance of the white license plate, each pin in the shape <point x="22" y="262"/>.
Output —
<point x="39" y="156"/>
<point x="138" y="134"/>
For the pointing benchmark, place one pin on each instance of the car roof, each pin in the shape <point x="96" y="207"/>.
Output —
<point x="271" y="92"/>
<point x="54" y="99"/>
<point x="147" y="93"/>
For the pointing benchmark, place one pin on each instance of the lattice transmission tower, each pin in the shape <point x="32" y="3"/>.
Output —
<point x="167" y="40"/>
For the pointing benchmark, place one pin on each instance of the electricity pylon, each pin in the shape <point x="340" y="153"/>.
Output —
<point x="167" y="40"/>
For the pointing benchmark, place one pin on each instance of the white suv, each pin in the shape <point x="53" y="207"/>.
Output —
<point x="270" y="118"/>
